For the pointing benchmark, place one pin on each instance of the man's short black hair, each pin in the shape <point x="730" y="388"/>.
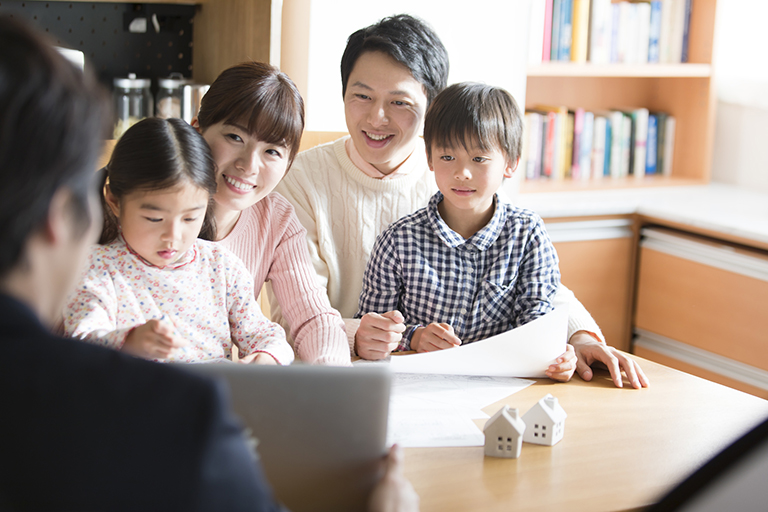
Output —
<point x="52" y="127"/>
<point x="409" y="41"/>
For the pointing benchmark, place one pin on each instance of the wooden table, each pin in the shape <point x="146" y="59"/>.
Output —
<point x="622" y="448"/>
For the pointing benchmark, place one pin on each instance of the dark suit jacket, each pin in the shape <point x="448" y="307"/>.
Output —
<point x="87" y="428"/>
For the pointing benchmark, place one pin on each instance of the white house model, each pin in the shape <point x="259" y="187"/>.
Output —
<point x="544" y="422"/>
<point x="504" y="434"/>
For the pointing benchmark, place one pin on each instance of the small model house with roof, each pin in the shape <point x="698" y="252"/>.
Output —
<point x="544" y="422"/>
<point x="504" y="434"/>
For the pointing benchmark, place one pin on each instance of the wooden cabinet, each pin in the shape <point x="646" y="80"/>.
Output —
<point x="684" y="90"/>
<point x="597" y="264"/>
<point x="701" y="308"/>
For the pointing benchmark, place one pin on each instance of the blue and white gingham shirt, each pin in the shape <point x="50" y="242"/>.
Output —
<point x="502" y="277"/>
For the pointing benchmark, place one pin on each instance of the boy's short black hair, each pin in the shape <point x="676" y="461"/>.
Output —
<point x="471" y="113"/>
<point x="409" y="41"/>
<point x="53" y="120"/>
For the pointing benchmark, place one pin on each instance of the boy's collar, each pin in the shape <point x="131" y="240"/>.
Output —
<point x="483" y="239"/>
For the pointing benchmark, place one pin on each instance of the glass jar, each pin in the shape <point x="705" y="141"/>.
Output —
<point x="169" y="96"/>
<point x="133" y="102"/>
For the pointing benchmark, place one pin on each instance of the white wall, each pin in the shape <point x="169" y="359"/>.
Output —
<point x="486" y="42"/>
<point x="740" y="152"/>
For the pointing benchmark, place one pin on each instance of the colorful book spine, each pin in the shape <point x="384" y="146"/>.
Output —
<point x="626" y="146"/>
<point x="534" y="127"/>
<point x="669" y="145"/>
<point x="615" y="19"/>
<point x="567" y="162"/>
<point x="661" y="127"/>
<point x="608" y="149"/>
<point x="640" y="121"/>
<point x="617" y="135"/>
<point x="547" y="43"/>
<point x="578" y="127"/>
<point x="556" y="14"/>
<point x="676" y="35"/>
<point x="585" y="145"/>
<point x="625" y="35"/>
<point x="549" y="145"/>
<point x="643" y="31"/>
<point x="599" y="146"/>
<point x="600" y="32"/>
<point x="651" y="145"/>
<point x="580" y="30"/>
<point x="654" y="32"/>
<point x="686" y="31"/>
<point x="665" y="38"/>
<point x="566" y="30"/>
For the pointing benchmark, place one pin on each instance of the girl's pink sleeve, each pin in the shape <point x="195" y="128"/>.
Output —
<point x="90" y="311"/>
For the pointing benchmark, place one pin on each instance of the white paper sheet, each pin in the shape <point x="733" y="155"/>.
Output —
<point x="523" y="352"/>
<point x="437" y="410"/>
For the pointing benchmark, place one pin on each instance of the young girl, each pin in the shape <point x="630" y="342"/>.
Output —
<point x="152" y="288"/>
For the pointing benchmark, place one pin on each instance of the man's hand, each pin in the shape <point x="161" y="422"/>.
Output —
<point x="590" y="351"/>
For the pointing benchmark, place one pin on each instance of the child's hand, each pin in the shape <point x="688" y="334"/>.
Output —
<point x="564" y="366"/>
<point x="153" y="340"/>
<point x="259" y="358"/>
<point x="378" y="335"/>
<point x="434" y="337"/>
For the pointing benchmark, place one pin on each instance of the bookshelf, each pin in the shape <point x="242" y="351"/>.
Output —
<point x="685" y="91"/>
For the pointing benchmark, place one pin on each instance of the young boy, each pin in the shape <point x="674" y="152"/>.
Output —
<point x="469" y="265"/>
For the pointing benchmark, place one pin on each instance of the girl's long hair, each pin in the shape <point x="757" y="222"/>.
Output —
<point x="156" y="154"/>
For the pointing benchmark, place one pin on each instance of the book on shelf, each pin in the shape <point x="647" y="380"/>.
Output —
<point x="537" y="31"/>
<point x="602" y="31"/>
<point x="651" y="143"/>
<point x="600" y="150"/>
<point x="654" y="32"/>
<point x="580" y="35"/>
<point x="686" y="30"/>
<point x="566" y="30"/>
<point x="640" y="138"/>
<point x="566" y="164"/>
<point x="557" y="10"/>
<point x="580" y="145"/>
<point x="643" y="27"/>
<point x="669" y="145"/>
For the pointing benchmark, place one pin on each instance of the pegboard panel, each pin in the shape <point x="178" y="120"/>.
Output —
<point x="101" y="31"/>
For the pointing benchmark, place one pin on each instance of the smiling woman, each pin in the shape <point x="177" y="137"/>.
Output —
<point x="252" y="118"/>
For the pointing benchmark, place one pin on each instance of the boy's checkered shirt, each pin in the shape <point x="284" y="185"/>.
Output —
<point x="502" y="277"/>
